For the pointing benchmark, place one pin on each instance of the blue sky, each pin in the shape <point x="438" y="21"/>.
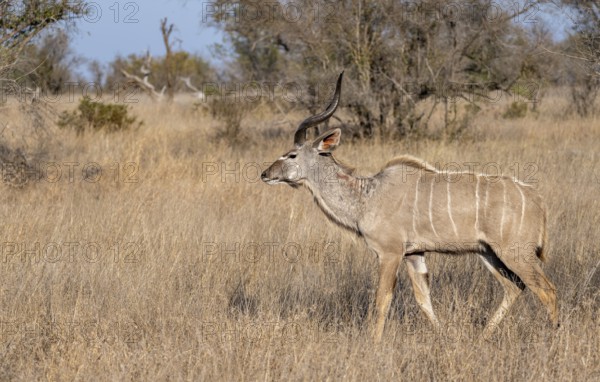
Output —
<point x="106" y="32"/>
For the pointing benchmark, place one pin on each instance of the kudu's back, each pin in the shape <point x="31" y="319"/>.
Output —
<point x="436" y="211"/>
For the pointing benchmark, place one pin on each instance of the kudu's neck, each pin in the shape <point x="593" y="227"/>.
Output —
<point x="340" y="194"/>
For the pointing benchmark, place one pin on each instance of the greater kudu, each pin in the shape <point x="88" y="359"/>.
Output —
<point x="410" y="208"/>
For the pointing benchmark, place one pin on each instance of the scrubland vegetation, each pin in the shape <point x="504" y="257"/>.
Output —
<point x="156" y="253"/>
<point x="137" y="241"/>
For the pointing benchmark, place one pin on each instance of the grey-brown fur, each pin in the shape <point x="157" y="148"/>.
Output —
<point x="409" y="208"/>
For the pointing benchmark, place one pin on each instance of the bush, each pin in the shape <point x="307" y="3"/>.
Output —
<point x="96" y="116"/>
<point x="230" y="114"/>
<point x="515" y="110"/>
<point x="15" y="169"/>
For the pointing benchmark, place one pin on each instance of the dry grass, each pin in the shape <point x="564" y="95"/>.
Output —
<point x="171" y="268"/>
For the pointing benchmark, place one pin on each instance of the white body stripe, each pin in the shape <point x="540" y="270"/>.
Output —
<point x="487" y="189"/>
<point x="522" y="207"/>
<point x="503" y="209"/>
<point x="450" y="209"/>
<point x="430" y="209"/>
<point x="477" y="205"/>
<point x="416" y="207"/>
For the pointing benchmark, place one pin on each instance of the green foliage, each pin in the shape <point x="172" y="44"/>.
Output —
<point x="97" y="116"/>
<point x="515" y="110"/>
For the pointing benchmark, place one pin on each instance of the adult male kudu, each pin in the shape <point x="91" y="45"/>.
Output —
<point x="410" y="208"/>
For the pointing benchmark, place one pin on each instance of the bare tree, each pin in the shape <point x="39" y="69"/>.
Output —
<point x="161" y="76"/>
<point x="143" y="82"/>
<point x="97" y="71"/>
<point x="48" y="63"/>
<point x="21" y="21"/>
<point x="587" y="29"/>
<point x="583" y="51"/>
<point x="397" y="53"/>
<point x="166" y="30"/>
<point x="199" y="94"/>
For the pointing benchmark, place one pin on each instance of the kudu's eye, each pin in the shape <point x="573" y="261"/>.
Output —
<point x="292" y="156"/>
<point x="325" y="154"/>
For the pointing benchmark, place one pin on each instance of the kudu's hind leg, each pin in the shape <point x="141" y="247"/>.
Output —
<point x="527" y="267"/>
<point x="388" y="268"/>
<point x="512" y="284"/>
<point x="417" y="271"/>
<point x="537" y="281"/>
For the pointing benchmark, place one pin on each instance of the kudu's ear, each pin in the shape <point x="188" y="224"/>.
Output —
<point x="328" y="141"/>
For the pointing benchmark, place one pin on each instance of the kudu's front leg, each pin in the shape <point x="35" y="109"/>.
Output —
<point x="388" y="268"/>
<point x="417" y="271"/>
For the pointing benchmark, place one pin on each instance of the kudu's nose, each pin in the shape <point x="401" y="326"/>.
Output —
<point x="263" y="176"/>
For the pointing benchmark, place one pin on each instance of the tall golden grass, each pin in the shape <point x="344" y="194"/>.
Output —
<point x="159" y="255"/>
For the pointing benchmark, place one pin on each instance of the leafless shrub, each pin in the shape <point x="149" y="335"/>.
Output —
<point x="397" y="55"/>
<point x="230" y="115"/>
<point x="584" y="95"/>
